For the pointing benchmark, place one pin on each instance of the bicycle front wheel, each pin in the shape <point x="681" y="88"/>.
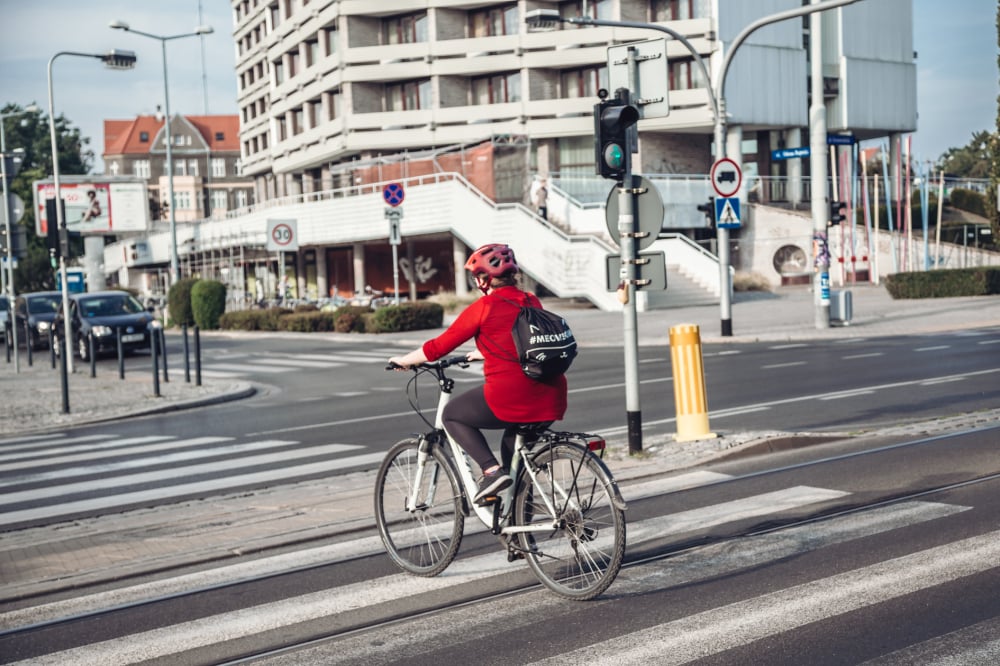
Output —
<point x="420" y="521"/>
<point x="581" y="556"/>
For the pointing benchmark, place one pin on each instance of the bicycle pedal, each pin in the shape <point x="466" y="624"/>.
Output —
<point x="513" y="555"/>
<point x="488" y="500"/>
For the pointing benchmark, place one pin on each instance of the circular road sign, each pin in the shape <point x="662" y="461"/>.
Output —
<point x="282" y="234"/>
<point x="726" y="177"/>
<point x="393" y="194"/>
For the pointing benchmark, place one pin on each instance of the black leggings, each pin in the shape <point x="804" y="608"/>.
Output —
<point x="465" y="415"/>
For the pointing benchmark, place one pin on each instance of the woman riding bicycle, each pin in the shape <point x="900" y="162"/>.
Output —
<point x="508" y="396"/>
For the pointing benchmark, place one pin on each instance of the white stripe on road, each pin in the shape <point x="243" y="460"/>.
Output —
<point x="297" y="363"/>
<point x="714" y="631"/>
<point x="354" y="598"/>
<point x="782" y="365"/>
<point x="210" y="487"/>
<point x="114" y="447"/>
<point x="243" y="367"/>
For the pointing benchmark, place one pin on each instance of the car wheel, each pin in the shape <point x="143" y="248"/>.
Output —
<point x="83" y="347"/>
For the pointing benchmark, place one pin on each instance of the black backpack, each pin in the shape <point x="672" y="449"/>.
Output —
<point x="545" y="344"/>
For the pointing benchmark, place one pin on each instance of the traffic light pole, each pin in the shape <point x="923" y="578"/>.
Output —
<point x="627" y="233"/>
<point x="9" y="269"/>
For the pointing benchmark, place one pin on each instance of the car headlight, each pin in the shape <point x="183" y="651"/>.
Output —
<point x="155" y="324"/>
<point x="43" y="326"/>
<point x="101" y="331"/>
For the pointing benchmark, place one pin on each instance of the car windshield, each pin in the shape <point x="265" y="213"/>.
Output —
<point x="106" y="306"/>
<point x="43" y="304"/>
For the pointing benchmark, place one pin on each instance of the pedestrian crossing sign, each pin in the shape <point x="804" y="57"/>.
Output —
<point x="727" y="212"/>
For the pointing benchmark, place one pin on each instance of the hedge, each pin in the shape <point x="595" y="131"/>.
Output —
<point x="179" y="301"/>
<point x="944" y="283"/>
<point x="208" y="303"/>
<point x="345" y="319"/>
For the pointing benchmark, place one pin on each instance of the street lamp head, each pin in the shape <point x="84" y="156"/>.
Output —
<point x="119" y="59"/>
<point x="32" y="108"/>
<point x="204" y="30"/>
<point x="540" y="20"/>
<point x="118" y="25"/>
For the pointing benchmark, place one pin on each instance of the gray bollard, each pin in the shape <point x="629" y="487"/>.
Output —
<point x="65" y="382"/>
<point x="155" y="347"/>
<point x="187" y="363"/>
<point x="27" y="343"/>
<point x="163" y="348"/>
<point x="121" y="353"/>
<point x="197" y="357"/>
<point x="93" y="355"/>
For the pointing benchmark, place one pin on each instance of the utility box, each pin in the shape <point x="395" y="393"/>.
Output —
<point x="841" y="307"/>
<point x="75" y="281"/>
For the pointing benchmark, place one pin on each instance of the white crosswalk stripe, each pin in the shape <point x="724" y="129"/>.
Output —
<point x="63" y="480"/>
<point x="232" y="366"/>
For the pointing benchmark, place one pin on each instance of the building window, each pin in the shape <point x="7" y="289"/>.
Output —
<point x="218" y="167"/>
<point x="237" y="168"/>
<point x="312" y="52"/>
<point x="409" y="96"/>
<point x="407" y="29"/>
<point x="330" y="39"/>
<point x="181" y="167"/>
<point x="114" y="168"/>
<point x="685" y="75"/>
<point x="220" y="136"/>
<point x="241" y="198"/>
<point x="671" y="10"/>
<point x="576" y="156"/>
<point x="494" y="21"/>
<point x="219" y="201"/>
<point x="144" y="137"/>
<point x="584" y="82"/>
<point x="193" y="167"/>
<point x="182" y="199"/>
<point x="141" y="168"/>
<point x="279" y="72"/>
<point x="601" y="9"/>
<point x="498" y="89"/>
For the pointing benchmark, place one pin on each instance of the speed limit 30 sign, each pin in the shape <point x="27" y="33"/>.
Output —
<point x="282" y="236"/>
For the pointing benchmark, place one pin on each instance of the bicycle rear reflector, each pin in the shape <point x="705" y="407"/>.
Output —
<point x="595" y="443"/>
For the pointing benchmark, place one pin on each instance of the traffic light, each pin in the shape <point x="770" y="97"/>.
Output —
<point x="709" y="210"/>
<point x="612" y="120"/>
<point x="837" y="212"/>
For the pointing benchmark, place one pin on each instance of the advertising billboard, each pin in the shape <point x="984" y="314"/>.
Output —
<point x="97" y="205"/>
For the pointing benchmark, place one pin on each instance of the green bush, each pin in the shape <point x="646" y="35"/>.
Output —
<point x="968" y="200"/>
<point x="944" y="283"/>
<point x="307" y="321"/>
<point x="407" y="317"/>
<point x="208" y="303"/>
<point x="350" y="318"/>
<point x="240" y="320"/>
<point x="179" y="301"/>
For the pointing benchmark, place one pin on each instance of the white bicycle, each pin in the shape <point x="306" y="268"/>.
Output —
<point x="564" y="513"/>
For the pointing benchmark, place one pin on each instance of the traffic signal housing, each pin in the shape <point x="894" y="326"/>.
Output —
<point x="837" y="212"/>
<point x="612" y="120"/>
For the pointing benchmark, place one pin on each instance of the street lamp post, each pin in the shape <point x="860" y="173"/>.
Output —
<point x="114" y="59"/>
<point x="8" y="271"/>
<point x="200" y="30"/>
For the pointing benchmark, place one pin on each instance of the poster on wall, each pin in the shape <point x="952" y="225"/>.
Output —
<point x="95" y="206"/>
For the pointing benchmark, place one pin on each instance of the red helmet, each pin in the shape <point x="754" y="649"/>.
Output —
<point x="494" y="260"/>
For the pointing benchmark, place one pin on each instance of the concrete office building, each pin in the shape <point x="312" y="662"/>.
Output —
<point x="461" y="102"/>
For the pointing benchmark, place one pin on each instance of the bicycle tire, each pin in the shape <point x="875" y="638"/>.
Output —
<point x="580" y="558"/>
<point x="423" y="542"/>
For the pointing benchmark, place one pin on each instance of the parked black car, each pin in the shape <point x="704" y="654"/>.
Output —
<point x="38" y="309"/>
<point x="4" y="315"/>
<point x="100" y="314"/>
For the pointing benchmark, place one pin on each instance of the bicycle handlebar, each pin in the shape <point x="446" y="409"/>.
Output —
<point x="440" y="364"/>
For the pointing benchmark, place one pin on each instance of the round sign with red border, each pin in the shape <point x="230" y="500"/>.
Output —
<point x="726" y="177"/>
<point x="283" y="235"/>
<point x="393" y="194"/>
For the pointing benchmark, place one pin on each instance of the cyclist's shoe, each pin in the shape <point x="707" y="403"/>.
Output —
<point x="490" y="485"/>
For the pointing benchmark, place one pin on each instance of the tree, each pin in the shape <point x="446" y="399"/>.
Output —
<point x="30" y="131"/>
<point x="971" y="160"/>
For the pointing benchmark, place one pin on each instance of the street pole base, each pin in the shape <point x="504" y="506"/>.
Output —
<point x="634" y="420"/>
<point x="727" y="328"/>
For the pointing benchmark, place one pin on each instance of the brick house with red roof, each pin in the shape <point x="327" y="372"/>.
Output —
<point x="205" y="153"/>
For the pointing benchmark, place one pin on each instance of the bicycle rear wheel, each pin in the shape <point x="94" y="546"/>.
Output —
<point x="425" y="539"/>
<point x="581" y="557"/>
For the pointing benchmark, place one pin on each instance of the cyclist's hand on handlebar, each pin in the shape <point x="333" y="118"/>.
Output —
<point x="406" y="361"/>
<point x="475" y="355"/>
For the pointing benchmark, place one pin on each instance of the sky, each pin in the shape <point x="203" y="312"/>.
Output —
<point x="956" y="42"/>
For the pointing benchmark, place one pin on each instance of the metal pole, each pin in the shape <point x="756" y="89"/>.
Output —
<point x="9" y="269"/>
<point x="174" y="267"/>
<point x="626" y="232"/>
<point x="817" y="168"/>
<point x="197" y="357"/>
<point x="60" y="222"/>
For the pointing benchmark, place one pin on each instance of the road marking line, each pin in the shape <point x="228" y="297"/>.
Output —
<point x="782" y="365"/>
<point x="936" y="348"/>
<point x="870" y="355"/>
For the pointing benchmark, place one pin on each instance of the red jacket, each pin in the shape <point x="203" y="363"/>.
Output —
<point x="510" y="394"/>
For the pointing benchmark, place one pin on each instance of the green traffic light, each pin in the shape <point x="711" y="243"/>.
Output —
<point x="614" y="156"/>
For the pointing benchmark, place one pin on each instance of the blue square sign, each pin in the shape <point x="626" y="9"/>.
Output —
<point x="727" y="212"/>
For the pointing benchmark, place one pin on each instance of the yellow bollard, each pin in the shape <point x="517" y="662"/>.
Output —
<point x="689" y="383"/>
